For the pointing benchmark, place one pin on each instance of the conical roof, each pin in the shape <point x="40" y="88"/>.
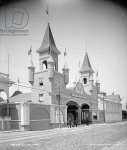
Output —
<point x="86" y="66"/>
<point x="48" y="43"/>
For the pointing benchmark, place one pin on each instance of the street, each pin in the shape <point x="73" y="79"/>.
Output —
<point x="111" y="136"/>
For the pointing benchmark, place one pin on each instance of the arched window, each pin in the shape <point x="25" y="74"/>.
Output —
<point x="85" y="80"/>
<point x="44" y="65"/>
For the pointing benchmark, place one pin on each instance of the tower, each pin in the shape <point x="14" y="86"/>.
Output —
<point x="86" y="73"/>
<point x="48" y="64"/>
<point x="48" y="49"/>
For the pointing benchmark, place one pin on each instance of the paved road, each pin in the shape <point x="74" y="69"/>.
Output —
<point x="93" y="137"/>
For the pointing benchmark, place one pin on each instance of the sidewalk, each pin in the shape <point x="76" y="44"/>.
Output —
<point x="64" y="128"/>
<point x="121" y="145"/>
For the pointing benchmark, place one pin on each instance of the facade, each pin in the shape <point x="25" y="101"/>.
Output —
<point x="50" y="103"/>
<point x="5" y="83"/>
<point x="111" y="107"/>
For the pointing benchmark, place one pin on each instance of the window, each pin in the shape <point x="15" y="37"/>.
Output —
<point x="58" y="99"/>
<point x="41" y="82"/>
<point x="44" y="64"/>
<point x="85" y="80"/>
<point x="95" y="116"/>
<point x="41" y="97"/>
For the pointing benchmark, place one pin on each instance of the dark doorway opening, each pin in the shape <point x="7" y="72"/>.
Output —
<point x="85" y="114"/>
<point x="72" y="113"/>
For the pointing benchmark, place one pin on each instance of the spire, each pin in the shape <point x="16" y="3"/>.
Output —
<point x="86" y="66"/>
<point x="48" y="43"/>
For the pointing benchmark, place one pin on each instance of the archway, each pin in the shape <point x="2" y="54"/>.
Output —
<point x="44" y="65"/>
<point x="72" y="113"/>
<point x="85" y="114"/>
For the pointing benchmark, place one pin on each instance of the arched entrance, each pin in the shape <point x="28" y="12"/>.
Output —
<point x="85" y="114"/>
<point x="72" y="112"/>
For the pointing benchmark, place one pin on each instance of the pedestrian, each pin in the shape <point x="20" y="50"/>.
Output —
<point x="87" y="121"/>
<point x="70" y="123"/>
<point x="76" y="123"/>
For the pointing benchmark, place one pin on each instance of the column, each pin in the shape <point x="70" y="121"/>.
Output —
<point x="79" y="115"/>
<point x="25" y="116"/>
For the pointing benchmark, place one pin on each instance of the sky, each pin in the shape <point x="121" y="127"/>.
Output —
<point x="96" y="26"/>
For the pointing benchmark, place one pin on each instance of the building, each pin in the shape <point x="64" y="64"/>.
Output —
<point x="110" y="107"/>
<point x="50" y="103"/>
<point x="5" y="83"/>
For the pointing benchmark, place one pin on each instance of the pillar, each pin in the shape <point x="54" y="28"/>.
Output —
<point x="25" y="116"/>
<point x="79" y="115"/>
<point x="65" y="115"/>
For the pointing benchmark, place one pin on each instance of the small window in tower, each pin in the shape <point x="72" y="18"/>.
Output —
<point x="95" y="116"/>
<point x="85" y="80"/>
<point x="41" y="97"/>
<point x="44" y="64"/>
<point x="41" y="82"/>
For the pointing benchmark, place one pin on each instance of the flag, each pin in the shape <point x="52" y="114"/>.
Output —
<point x="65" y="52"/>
<point x="47" y="11"/>
<point x="29" y="52"/>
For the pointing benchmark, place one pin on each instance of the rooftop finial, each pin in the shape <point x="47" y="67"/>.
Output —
<point x="97" y="77"/>
<point x="65" y="60"/>
<point x="86" y="46"/>
<point x="47" y="12"/>
<point x="30" y="54"/>
<point x="18" y="83"/>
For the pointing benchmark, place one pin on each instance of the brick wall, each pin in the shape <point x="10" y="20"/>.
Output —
<point x="39" y="117"/>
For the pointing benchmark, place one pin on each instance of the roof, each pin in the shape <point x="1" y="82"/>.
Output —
<point x="48" y="43"/>
<point x="4" y="78"/>
<point x="25" y="97"/>
<point x="86" y="66"/>
<point x="113" y="98"/>
<point x="16" y="93"/>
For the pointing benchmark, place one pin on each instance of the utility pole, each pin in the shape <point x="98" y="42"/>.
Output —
<point x="103" y="106"/>
<point x="8" y="85"/>
<point x="59" y="106"/>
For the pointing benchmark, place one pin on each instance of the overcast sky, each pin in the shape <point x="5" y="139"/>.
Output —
<point x="99" y="27"/>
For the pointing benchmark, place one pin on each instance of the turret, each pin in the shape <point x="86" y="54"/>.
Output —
<point x="86" y="71"/>
<point x="48" y="49"/>
<point x="66" y="74"/>
<point x="50" y="66"/>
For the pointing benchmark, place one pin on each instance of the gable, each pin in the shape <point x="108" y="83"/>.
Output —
<point x="79" y="90"/>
